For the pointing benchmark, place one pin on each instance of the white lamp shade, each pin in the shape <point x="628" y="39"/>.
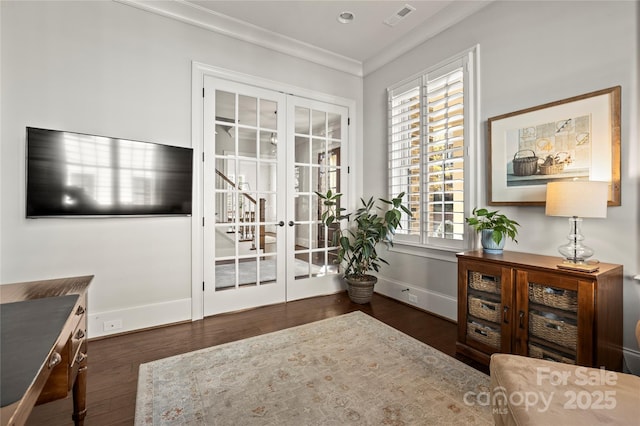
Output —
<point x="577" y="198"/>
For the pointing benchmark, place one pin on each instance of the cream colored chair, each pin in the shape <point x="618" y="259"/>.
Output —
<point x="529" y="391"/>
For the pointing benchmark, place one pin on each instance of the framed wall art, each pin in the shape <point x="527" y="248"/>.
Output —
<point x="575" y="138"/>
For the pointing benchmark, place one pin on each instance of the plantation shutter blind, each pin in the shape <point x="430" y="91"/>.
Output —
<point x="444" y="153"/>
<point x="405" y="123"/>
<point x="430" y="118"/>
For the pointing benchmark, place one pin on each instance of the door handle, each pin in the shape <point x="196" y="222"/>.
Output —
<point x="521" y="315"/>
<point x="290" y="223"/>
<point x="281" y="223"/>
<point x="505" y="315"/>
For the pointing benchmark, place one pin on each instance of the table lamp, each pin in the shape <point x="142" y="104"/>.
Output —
<point x="577" y="199"/>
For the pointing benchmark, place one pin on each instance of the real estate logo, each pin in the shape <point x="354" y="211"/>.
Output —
<point x="585" y="389"/>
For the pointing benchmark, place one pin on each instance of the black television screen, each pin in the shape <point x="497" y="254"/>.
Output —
<point x="73" y="174"/>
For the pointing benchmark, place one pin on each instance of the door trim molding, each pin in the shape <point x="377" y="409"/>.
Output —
<point x="198" y="73"/>
<point x="264" y="83"/>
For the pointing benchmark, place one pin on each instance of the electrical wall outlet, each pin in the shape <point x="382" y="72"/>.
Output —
<point x="115" y="324"/>
<point x="413" y="298"/>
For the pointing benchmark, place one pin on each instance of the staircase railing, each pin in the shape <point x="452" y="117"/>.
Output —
<point x="247" y="232"/>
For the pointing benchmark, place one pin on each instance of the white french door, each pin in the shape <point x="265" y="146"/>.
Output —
<point x="317" y="135"/>
<point x="265" y="155"/>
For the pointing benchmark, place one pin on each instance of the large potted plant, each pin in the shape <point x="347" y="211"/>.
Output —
<point x="494" y="227"/>
<point x="357" y="243"/>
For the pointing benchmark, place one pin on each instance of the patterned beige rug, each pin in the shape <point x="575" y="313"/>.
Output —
<point x="347" y="370"/>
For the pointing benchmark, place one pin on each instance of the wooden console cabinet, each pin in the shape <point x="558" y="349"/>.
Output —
<point x="44" y="346"/>
<point x="523" y="304"/>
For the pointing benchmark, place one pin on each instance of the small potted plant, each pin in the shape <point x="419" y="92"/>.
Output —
<point x="494" y="228"/>
<point x="357" y="243"/>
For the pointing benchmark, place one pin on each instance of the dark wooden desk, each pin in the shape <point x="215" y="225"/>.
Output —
<point x="43" y="346"/>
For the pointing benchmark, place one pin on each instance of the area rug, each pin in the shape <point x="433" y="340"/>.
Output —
<point x="347" y="370"/>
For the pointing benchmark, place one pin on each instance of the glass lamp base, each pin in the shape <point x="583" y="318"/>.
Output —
<point x="575" y="251"/>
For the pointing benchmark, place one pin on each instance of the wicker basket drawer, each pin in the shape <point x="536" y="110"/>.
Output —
<point x="553" y="328"/>
<point x="488" y="335"/>
<point x="554" y="297"/>
<point x="485" y="309"/>
<point x="548" y="354"/>
<point x="484" y="282"/>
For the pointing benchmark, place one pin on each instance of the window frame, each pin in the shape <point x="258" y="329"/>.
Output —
<point x="469" y="61"/>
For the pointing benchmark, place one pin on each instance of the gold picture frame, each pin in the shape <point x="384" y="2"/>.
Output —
<point x="575" y="138"/>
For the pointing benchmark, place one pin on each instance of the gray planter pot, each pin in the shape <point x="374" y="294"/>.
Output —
<point x="489" y="245"/>
<point x="360" y="291"/>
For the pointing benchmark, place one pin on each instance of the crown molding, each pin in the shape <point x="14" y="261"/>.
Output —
<point x="444" y="19"/>
<point x="204" y="18"/>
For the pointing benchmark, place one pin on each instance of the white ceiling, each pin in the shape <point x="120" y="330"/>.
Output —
<point x="316" y="23"/>
<point x="310" y="28"/>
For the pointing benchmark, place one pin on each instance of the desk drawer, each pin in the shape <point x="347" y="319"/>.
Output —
<point x="57" y="386"/>
<point x="78" y="350"/>
<point x="72" y="347"/>
<point x="79" y="318"/>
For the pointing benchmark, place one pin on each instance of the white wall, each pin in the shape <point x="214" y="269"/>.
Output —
<point x="530" y="53"/>
<point x="106" y="68"/>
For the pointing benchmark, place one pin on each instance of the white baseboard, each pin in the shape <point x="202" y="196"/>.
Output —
<point x="138" y="317"/>
<point x="631" y="361"/>
<point x="437" y="303"/>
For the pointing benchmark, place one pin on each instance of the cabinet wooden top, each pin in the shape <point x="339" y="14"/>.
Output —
<point x="46" y="288"/>
<point x="528" y="260"/>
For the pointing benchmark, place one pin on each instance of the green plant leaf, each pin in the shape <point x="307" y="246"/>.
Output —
<point x="501" y="225"/>
<point x="366" y="227"/>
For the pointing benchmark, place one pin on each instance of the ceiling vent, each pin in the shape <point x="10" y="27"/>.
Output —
<point x="399" y="15"/>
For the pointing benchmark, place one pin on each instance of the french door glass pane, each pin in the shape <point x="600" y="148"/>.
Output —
<point x="319" y="123"/>
<point x="268" y="145"/>
<point x="302" y="208"/>
<point x="266" y="177"/>
<point x="268" y="114"/>
<point x="225" y="139"/>
<point x="303" y="177"/>
<point x="225" y="106"/>
<point x="302" y="121"/>
<point x="225" y="274"/>
<point x="267" y="268"/>
<point x="314" y="181"/>
<point x="247" y="139"/>
<point x="247" y="111"/>
<point x="225" y="173"/>
<point x="334" y="126"/>
<point x="302" y="150"/>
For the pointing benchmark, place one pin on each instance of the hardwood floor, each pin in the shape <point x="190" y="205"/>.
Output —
<point x="114" y="361"/>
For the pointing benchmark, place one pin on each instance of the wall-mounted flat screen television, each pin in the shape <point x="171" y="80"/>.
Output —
<point x="77" y="175"/>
